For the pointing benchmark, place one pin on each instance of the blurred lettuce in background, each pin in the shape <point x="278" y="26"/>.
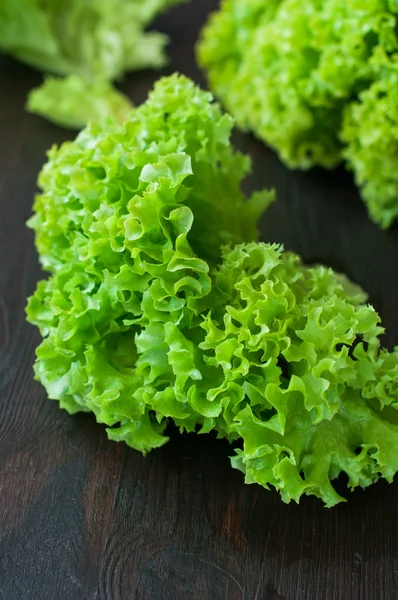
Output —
<point x="318" y="81"/>
<point x="91" y="42"/>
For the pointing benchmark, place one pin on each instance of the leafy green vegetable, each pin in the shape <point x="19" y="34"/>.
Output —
<point x="72" y="102"/>
<point x="317" y="81"/>
<point x="370" y="130"/>
<point x="311" y="385"/>
<point x="94" y="41"/>
<point x="115" y="226"/>
<point x="145" y="318"/>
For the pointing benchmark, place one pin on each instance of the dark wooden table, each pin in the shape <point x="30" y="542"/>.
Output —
<point x="82" y="518"/>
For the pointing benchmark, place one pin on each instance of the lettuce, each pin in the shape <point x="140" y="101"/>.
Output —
<point x="115" y="227"/>
<point x="161" y="305"/>
<point x="316" y="81"/>
<point x="314" y="394"/>
<point x="96" y="42"/>
<point x="370" y="131"/>
<point x="72" y="102"/>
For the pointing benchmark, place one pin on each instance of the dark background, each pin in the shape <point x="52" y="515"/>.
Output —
<point x="85" y="518"/>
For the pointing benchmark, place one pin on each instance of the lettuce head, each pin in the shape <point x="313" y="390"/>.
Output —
<point x="317" y="81"/>
<point x="161" y="305"/>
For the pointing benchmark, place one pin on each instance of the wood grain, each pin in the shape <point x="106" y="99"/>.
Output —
<point x="85" y="518"/>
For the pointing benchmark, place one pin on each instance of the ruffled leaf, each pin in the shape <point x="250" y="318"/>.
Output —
<point x="317" y="81"/>
<point x="147" y="317"/>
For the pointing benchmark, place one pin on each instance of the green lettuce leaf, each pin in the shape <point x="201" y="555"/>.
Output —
<point x="319" y="394"/>
<point x="370" y="130"/>
<point x="72" y="101"/>
<point x="95" y="41"/>
<point x="293" y="72"/>
<point x="126" y="212"/>
<point x="160" y="306"/>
